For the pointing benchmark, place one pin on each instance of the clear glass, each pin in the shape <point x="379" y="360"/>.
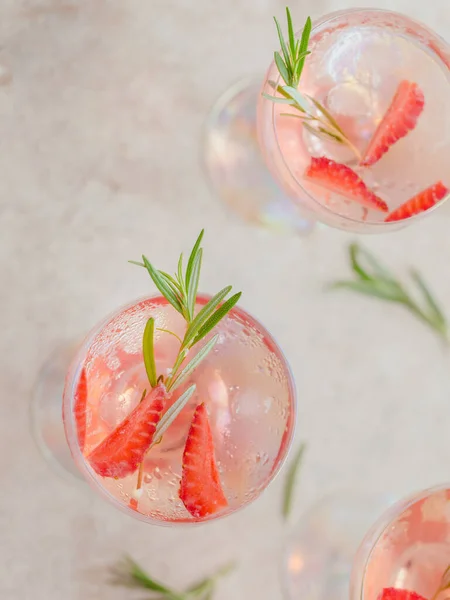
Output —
<point x="245" y="382"/>
<point x="359" y="57"/>
<point x="408" y="548"/>
<point x="343" y="548"/>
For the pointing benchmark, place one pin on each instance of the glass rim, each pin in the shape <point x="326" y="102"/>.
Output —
<point x="373" y="535"/>
<point x="317" y="24"/>
<point x="72" y="377"/>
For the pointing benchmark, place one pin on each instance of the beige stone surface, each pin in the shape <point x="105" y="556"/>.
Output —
<point x="101" y="112"/>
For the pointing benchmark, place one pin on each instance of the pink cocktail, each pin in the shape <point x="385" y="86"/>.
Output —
<point x="367" y="145"/>
<point x="407" y="552"/>
<point x="244" y="383"/>
<point x="360" y="141"/>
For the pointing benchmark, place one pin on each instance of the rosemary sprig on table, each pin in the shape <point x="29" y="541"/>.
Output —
<point x="290" y="62"/>
<point x="129" y="574"/>
<point x="374" y="279"/>
<point x="291" y="479"/>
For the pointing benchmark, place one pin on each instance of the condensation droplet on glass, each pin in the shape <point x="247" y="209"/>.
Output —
<point x="157" y="473"/>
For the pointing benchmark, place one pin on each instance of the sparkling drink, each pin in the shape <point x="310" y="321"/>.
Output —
<point x="244" y="382"/>
<point x="385" y="81"/>
<point x="408" y="549"/>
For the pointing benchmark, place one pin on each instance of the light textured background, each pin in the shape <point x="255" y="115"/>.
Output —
<point x="101" y="110"/>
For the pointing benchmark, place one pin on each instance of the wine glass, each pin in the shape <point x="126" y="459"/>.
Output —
<point x="244" y="382"/>
<point x="365" y="66"/>
<point x="341" y="548"/>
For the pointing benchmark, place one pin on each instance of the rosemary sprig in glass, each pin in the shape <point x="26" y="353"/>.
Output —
<point x="290" y="62"/>
<point x="180" y="290"/>
<point x="130" y="574"/>
<point x="374" y="279"/>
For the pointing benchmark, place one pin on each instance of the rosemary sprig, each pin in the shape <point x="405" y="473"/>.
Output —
<point x="180" y="291"/>
<point x="290" y="62"/>
<point x="130" y="574"/>
<point x="374" y="279"/>
<point x="291" y="478"/>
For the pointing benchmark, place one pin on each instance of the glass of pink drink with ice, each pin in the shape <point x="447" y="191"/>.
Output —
<point x="405" y="555"/>
<point x="359" y="141"/>
<point x="221" y="448"/>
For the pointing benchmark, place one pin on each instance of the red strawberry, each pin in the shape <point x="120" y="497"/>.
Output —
<point x="200" y="489"/>
<point x="342" y="180"/>
<point x="122" y="450"/>
<point x="398" y="594"/>
<point x="400" y="118"/>
<point x="80" y="406"/>
<point x="423" y="201"/>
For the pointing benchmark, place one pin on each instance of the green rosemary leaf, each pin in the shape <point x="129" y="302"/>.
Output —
<point x="333" y="136"/>
<point x="171" y="414"/>
<point x="175" y="288"/>
<point x="375" y="288"/>
<point x="220" y="313"/>
<point x="302" y="117"/>
<point x="376" y="280"/>
<point x="170" y="332"/>
<point x="149" y="351"/>
<point x="291" y="478"/>
<point x="354" y="251"/>
<point x="275" y="86"/>
<point x="180" y="272"/>
<point x="278" y="100"/>
<point x="191" y="260"/>
<point x="201" y="354"/>
<point x="358" y="254"/>
<point x="298" y="97"/>
<point x="163" y="286"/>
<point x="282" y="67"/>
<point x="203" y="315"/>
<point x="129" y="574"/>
<point x="207" y="582"/>
<point x="320" y="132"/>
<point x="193" y="284"/>
<point x="303" y="48"/>
<point x="172" y="280"/>
<point x="327" y="115"/>
<point x="434" y="309"/>
<point x="283" y="47"/>
<point x="135" y="262"/>
<point x="291" y="34"/>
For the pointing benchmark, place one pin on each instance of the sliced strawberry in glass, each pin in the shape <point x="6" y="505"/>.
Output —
<point x="200" y="490"/>
<point x="80" y="408"/>
<point x="120" y="453"/>
<point x="342" y="180"/>
<point x="422" y="201"/>
<point x="400" y="118"/>
<point x="399" y="594"/>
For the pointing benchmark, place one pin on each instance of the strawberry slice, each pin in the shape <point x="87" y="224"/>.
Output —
<point x="400" y="118"/>
<point x="200" y="490"/>
<point x="342" y="180"/>
<point x="398" y="594"/>
<point x="419" y="203"/>
<point x="79" y="410"/>
<point x="122" y="450"/>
